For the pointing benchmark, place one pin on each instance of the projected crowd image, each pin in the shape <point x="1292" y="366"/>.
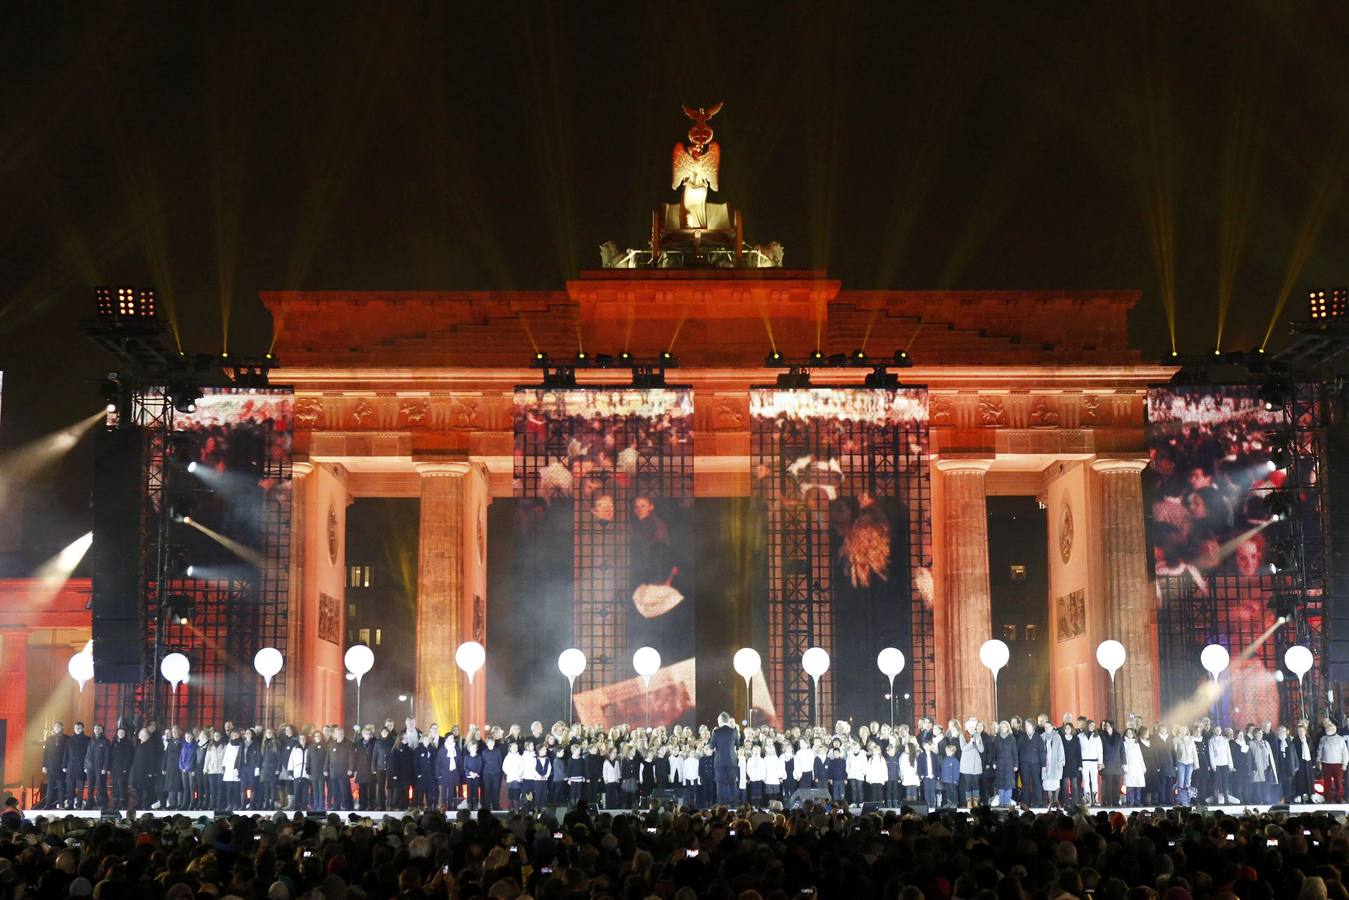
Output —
<point x="842" y="474"/>
<point x="602" y="538"/>
<point x="1213" y="534"/>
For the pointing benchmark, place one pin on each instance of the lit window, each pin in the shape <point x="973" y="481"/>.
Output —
<point x="1032" y="633"/>
<point x="366" y="574"/>
<point x="351" y="610"/>
<point x="378" y="636"/>
<point x="1009" y="632"/>
<point x="1016" y="572"/>
<point x="363" y="636"/>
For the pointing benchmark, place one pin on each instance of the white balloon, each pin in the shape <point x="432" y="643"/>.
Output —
<point x="470" y="657"/>
<point x="1298" y="659"/>
<point x="1215" y="659"/>
<point x="359" y="659"/>
<point x="815" y="661"/>
<point x="1111" y="655"/>
<point x="746" y="662"/>
<point x="994" y="655"/>
<point x="267" y="662"/>
<point x="571" y="662"/>
<point x="81" y="668"/>
<point x="646" y="662"/>
<point x="890" y="661"/>
<point x="175" y="668"/>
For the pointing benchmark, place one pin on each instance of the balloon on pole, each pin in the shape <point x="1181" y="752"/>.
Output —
<point x="571" y="663"/>
<point x="816" y="662"/>
<point x="470" y="657"/>
<point x="81" y="668"/>
<point x="891" y="662"/>
<point x="1215" y="660"/>
<point x="359" y="659"/>
<point x="175" y="668"/>
<point x="994" y="655"/>
<point x="1298" y="659"/>
<point x="646" y="662"/>
<point x="1111" y="655"/>
<point x="746" y="663"/>
<point x="267" y="662"/>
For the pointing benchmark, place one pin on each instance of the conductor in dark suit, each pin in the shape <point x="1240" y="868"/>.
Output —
<point x="725" y="737"/>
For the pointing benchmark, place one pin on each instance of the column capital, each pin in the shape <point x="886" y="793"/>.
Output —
<point x="429" y="468"/>
<point x="299" y="468"/>
<point x="1125" y="464"/>
<point x="964" y="465"/>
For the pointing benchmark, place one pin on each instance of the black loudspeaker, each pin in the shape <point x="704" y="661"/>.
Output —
<point x="665" y="797"/>
<point x="872" y="806"/>
<point x="801" y="796"/>
<point x="918" y="809"/>
<point x="118" y="628"/>
<point x="1335" y="477"/>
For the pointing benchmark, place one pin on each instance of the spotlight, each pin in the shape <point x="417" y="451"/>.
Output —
<point x="192" y="466"/>
<point x="175" y="564"/>
<point x="795" y="377"/>
<point x="1278" y="562"/>
<point x="582" y="359"/>
<point x="859" y="356"/>
<point x="625" y="356"/>
<point x="112" y="392"/>
<point x="901" y="359"/>
<point x="180" y="448"/>
<point x="667" y="356"/>
<point x="179" y="609"/>
<point x="190" y="572"/>
<point x="1339" y="303"/>
<point x="773" y="360"/>
<point x="817" y="356"/>
<point x="540" y="359"/>
<point x="1278" y="504"/>
<point x="1274" y="395"/>
<point x="180" y="507"/>
<point x="185" y="397"/>
<point x="1316" y="304"/>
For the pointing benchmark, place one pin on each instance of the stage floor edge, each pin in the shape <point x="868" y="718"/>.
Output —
<point x="1340" y="809"/>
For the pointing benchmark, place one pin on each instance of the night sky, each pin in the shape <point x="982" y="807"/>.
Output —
<point x="216" y="150"/>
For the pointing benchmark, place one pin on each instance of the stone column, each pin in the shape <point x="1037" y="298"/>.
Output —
<point x="1129" y="608"/>
<point x="14" y="699"/>
<point x="299" y="668"/>
<point x="440" y="589"/>
<point x="968" y="598"/>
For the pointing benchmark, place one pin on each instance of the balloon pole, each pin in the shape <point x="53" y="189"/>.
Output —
<point x="892" y="703"/>
<point x="569" y="701"/>
<point x="358" y="703"/>
<point x="749" y="704"/>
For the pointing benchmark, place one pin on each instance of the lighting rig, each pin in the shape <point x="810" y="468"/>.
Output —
<point x="157" y="381"/>
<point x="647" y="372"/>
<point x="799" y="369"/>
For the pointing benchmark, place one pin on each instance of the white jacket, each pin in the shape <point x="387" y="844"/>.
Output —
<point x="855" y="766"/>
<point x="1090" y="745"/>
<point x="755" y="767"/>
<point x="774" y="771"/>
<point x="1219" y="751"/>
<point x="877" y="771"/>
<point x="1332" y="749"/>
<point x="804" y="763"/>
<point x="908" y="771"/>
<point x="513" y="768"/>
<point x="295" y="763"/>
<point x="231" y="762"/>
<point x="1135" y="769"/>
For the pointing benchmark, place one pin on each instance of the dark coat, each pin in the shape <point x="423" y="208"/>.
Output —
<point x="402" y="763"/>
<point x="72" y="758"/>
<point x="269" y="759"/>
<point x="360" y="760"/>
<point x="144" y="761"/>
<point x="492" y="760"/>
<point x="98" y="756"/>
<point x="123" y="753"/>
<point x="1006" y="759"/>
<point x="1112" y="753"/>
<point x="1030" y="753"/>
<point x="724" y="740"/>
<point x="53" y="749"/>
<point x="338" y="762"/>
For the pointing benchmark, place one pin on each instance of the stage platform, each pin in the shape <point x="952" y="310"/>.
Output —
<point x="1338" y="810"/>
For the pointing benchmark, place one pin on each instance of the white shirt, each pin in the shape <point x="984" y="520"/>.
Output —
<point x="877" y="771"/>
<point x="231" y="762"/>
<point x="1091" y="747"/>
<point x="856" y="765"/>
<point x="755" y="767"/>
<point x="691" y="774"/>
<point x="908" y="771"/>
<point x="513" y="767"/>
<point x="804" y="763"/>
<point x="774" y="770"/>
<point x="1219" y="751"/>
